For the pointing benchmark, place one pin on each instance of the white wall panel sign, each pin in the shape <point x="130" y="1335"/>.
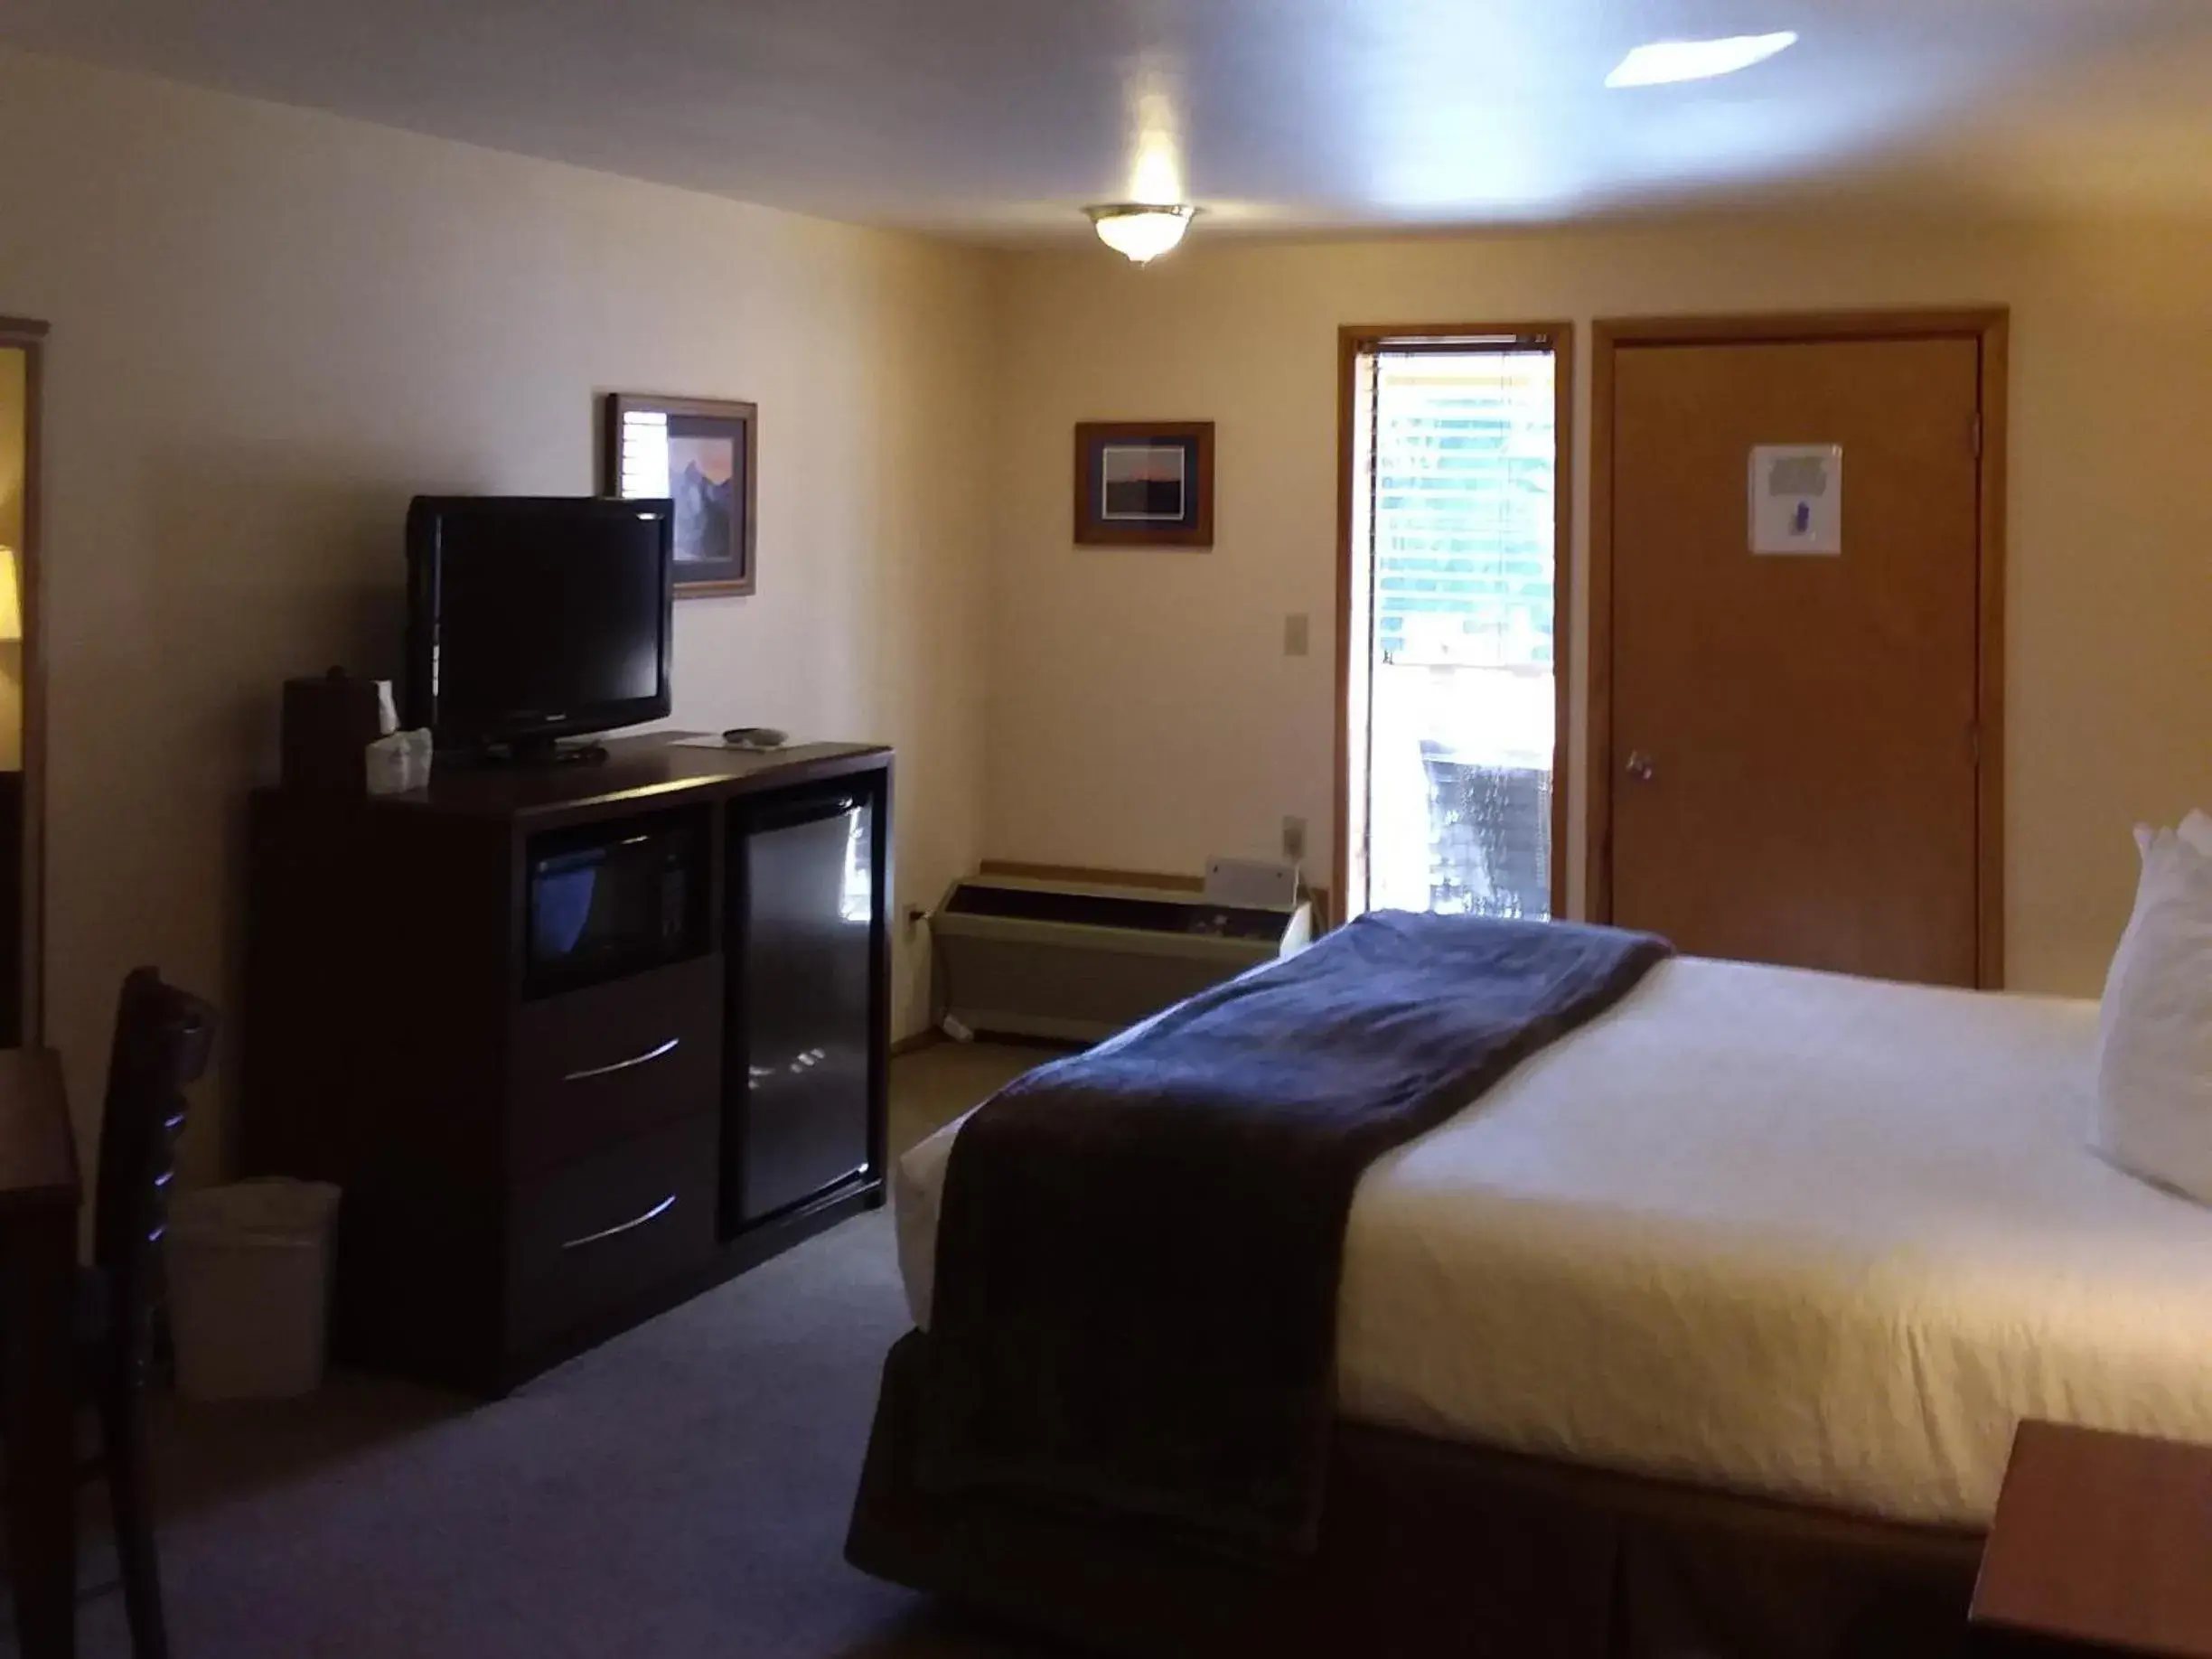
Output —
<point x="1797" y="498"/>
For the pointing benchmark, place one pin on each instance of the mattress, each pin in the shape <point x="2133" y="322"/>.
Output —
<point x="1789" y="1233"/>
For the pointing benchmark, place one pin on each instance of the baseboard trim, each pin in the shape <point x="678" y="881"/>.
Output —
<point x="915" y="1042"/>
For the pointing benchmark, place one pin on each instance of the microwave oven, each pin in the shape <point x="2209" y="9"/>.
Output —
<point x="607" y="900"/>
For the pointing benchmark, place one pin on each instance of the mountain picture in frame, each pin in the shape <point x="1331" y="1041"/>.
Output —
<point x="702" y="455"/>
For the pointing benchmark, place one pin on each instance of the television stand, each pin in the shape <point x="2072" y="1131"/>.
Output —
<point x="530" y="1165"/>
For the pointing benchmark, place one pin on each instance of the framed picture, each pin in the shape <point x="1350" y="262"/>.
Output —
<point x="702" y="453"/>
<point x="1144" y="484"/>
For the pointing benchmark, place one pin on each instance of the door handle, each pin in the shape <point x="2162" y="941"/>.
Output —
<point x="1639" y="766"/>
<point x="659" y="1209"/>
<point x="667" y="1047"/>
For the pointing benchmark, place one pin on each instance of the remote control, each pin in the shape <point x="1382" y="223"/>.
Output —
<point x="755" y="737"/>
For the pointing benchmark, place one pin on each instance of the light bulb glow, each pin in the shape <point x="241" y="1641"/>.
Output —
<point x="1157" y="175"/>
<point x="1664" y="62"/>
<point x="1140" y="232"/>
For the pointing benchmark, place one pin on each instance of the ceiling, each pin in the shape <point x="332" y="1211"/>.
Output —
<point x="997" y="119"/>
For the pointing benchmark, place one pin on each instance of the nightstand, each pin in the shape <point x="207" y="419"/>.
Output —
<point x="2102" y="1544"/>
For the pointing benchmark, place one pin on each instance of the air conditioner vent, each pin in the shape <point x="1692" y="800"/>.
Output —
<point x="1076" y="961"/>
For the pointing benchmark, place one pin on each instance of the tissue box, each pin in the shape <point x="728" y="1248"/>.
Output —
<point x="395" y="765"/>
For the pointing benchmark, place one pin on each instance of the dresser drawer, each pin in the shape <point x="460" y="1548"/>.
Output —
<point x="596" y="1066"/>
<point x="602" y="1231"/>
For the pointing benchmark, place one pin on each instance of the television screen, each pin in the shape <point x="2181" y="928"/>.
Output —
<point x="537" y="617"/>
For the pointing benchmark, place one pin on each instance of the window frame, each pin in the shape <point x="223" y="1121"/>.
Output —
<point x="1356" y="343"/>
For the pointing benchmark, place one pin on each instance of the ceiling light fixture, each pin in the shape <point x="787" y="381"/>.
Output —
<point x="1662" y="62"/>
<point x="1140" y="230"/>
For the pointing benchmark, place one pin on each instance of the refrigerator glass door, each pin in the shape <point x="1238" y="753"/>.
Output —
<point x="803" y="991"/>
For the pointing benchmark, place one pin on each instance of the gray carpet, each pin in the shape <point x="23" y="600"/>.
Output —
<point x="680" y="1491"/>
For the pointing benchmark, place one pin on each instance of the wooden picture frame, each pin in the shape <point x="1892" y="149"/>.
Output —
<point x="715" y="489"/>
<point x="28" y="1018"/>
<point x="1144" y="484"/>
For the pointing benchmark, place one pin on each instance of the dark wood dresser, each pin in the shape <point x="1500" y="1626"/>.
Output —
<point x="541" y="1141"/>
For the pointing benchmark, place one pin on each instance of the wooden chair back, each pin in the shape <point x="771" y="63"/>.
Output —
<point x="164" y="1038"/>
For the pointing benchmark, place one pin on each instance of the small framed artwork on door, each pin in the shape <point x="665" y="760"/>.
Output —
<point x="1144" y="484"/>
<point x="701" y="454"/>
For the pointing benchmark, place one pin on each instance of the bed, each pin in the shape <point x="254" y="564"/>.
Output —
<point x="1772" y="1259"/>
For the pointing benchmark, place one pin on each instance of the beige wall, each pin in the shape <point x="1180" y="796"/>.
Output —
<point x="270" y="328"/>
<point x="1143" y="714"/>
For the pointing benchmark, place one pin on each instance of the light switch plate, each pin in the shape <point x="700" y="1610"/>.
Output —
<point x="1297" y="634"/>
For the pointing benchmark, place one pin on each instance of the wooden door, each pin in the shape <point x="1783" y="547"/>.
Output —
<point x="1793" y="741"/>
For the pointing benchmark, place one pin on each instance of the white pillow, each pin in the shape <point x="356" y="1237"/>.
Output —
<point x="2154" y="1053"/>
<point x="2197" y="830"/>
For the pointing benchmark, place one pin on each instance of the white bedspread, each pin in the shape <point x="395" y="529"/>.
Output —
<point x="1793" y="1234"/>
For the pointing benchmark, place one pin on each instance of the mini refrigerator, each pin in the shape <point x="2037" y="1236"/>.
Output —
<point x="803" y="894"/>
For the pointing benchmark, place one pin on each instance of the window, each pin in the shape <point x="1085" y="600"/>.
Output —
<point x="1454" y="625"/>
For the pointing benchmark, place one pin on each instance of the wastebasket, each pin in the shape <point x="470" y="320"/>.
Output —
<point x="250" y="1288"/>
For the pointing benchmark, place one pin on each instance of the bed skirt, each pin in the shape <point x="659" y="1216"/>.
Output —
<point x="1430" y="1547"/>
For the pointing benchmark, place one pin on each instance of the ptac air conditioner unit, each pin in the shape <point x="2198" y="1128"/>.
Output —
<point x="1077" y="962"/>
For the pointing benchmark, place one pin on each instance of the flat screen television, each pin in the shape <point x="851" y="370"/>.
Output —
<point x="536" y="617"/>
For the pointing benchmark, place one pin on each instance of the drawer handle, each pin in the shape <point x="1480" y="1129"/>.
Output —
<point x="659" y="1209"/>
<point x="667" y="1047"/>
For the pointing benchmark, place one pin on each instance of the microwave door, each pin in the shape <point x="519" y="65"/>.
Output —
<point x="614" y="904"/>
<point x="563" y="893"/>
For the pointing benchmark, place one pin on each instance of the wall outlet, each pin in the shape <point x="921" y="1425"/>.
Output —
<point x="1294" y="840"/>
<point x="1297" y="634"/>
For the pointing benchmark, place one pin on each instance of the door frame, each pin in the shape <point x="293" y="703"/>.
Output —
<point x="1988" y="326"/>
<point x="1557" y="337"/>
<point x="28" y="336"/>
